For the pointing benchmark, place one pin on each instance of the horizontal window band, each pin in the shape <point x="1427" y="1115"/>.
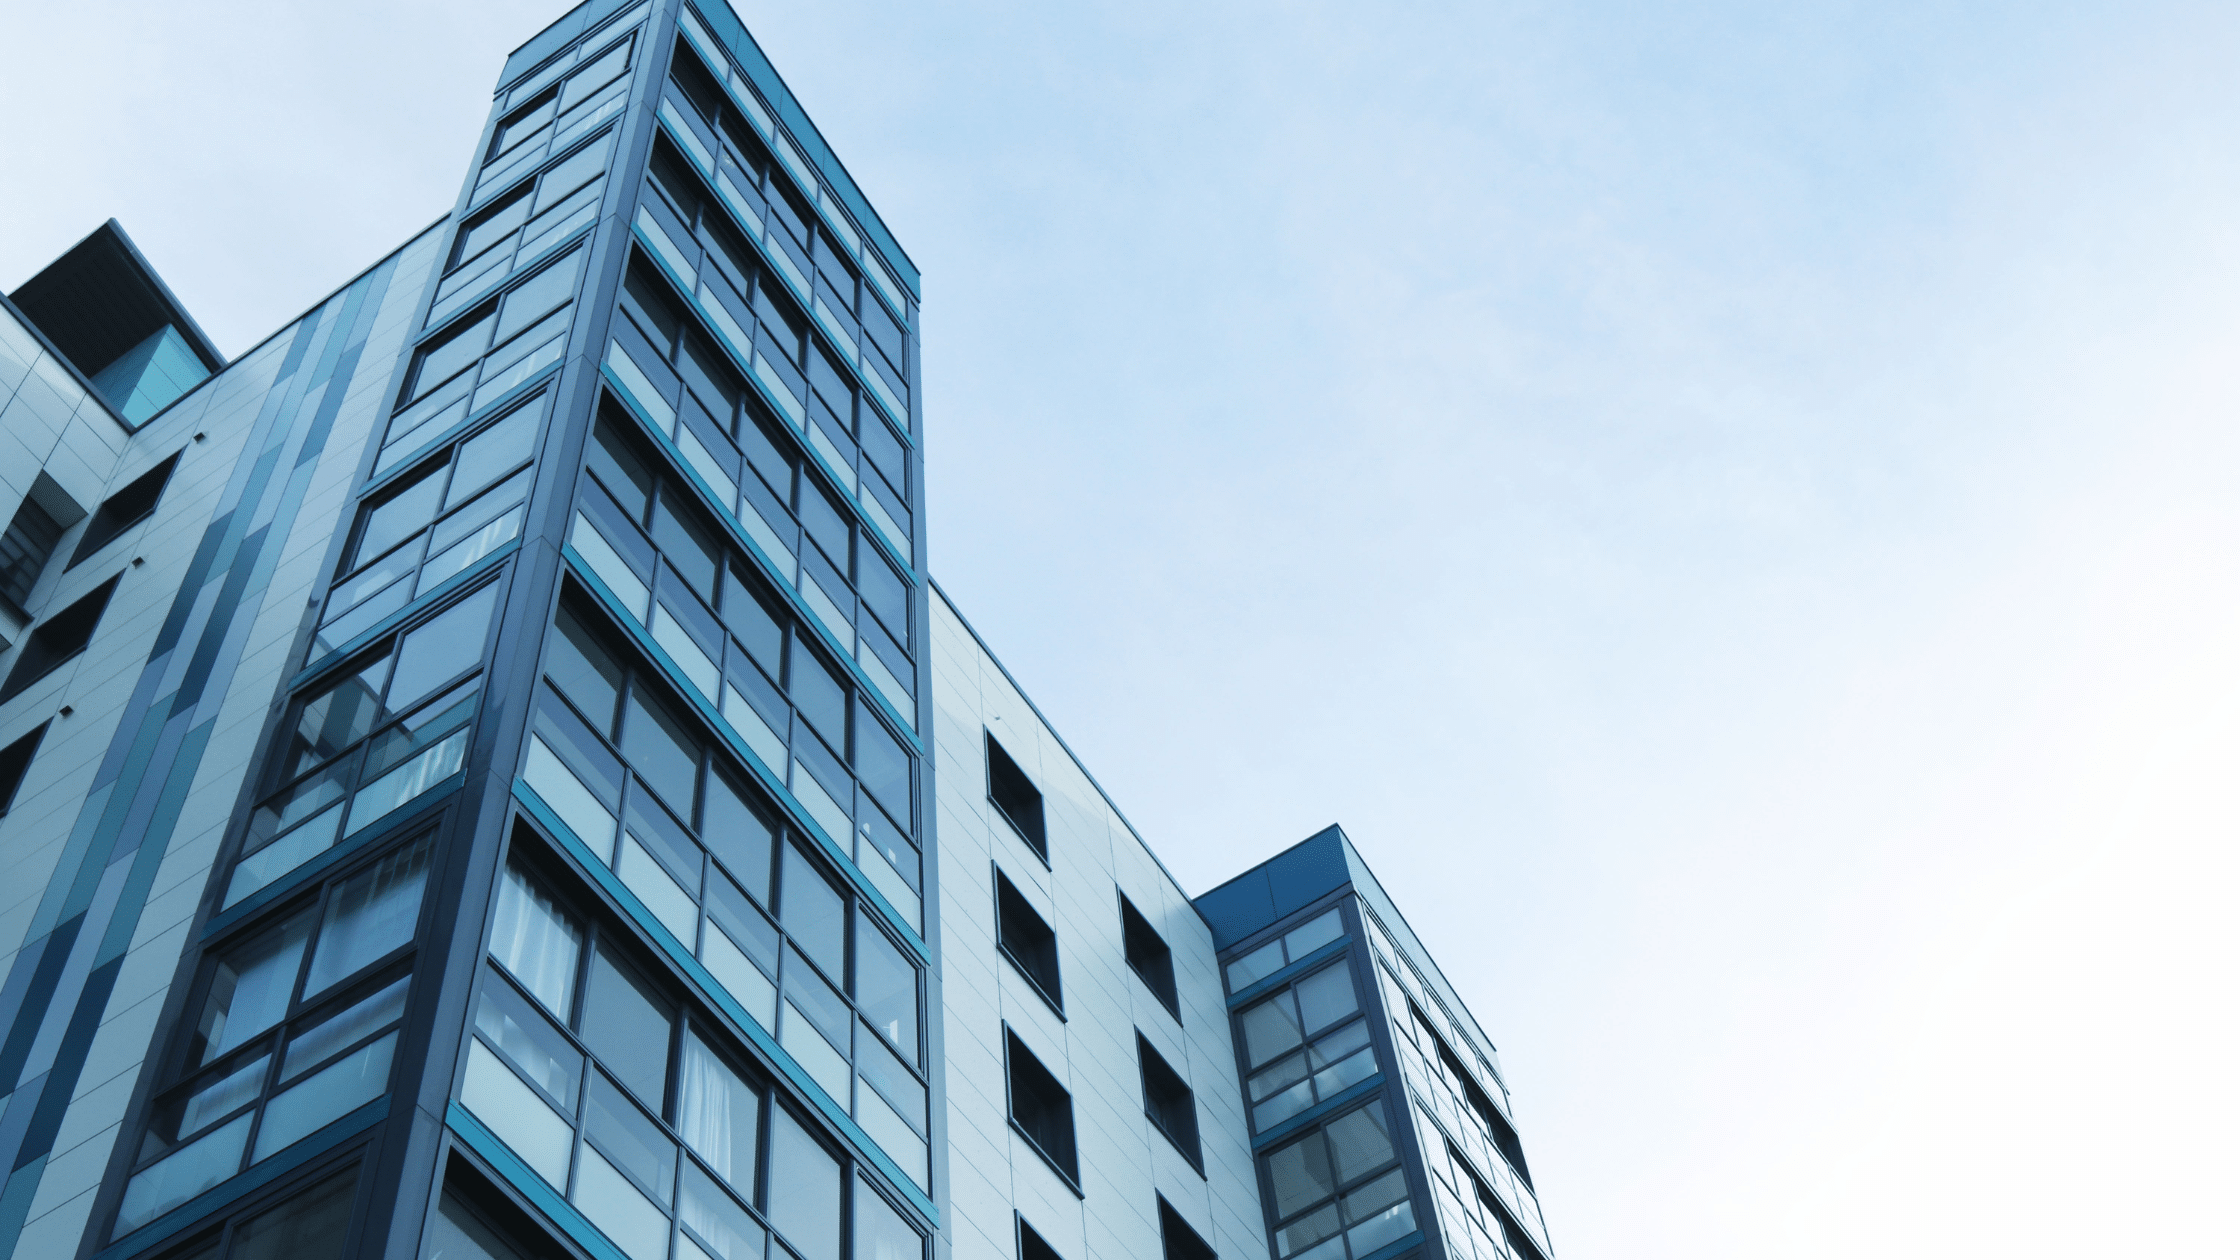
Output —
<point x="797" y="815"/>
<point x="1291" y="971"/>
<point x="388" y="625"/>
<point x="195" y="1211"/>
<point x="741" y="1024"/>
<point x="1318" y="1113"/>
<point x="316" y="868"/>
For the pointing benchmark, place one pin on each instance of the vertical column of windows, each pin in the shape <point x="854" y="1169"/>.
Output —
<point x="762" y="673"/>
<point x="615" y="759"/>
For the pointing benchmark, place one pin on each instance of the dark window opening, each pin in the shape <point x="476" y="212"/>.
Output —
<point x="1149" y="957"/>
<point x="124" y="509"/>
<point x="1027" y="940"/>
<point x="58" y="639"/>
<point x="1017" y="797"/>
<point x="1169" y="1103"/>
<point x="1041" y="1108"/>
<point x="1177" y="1241"/>
<point x="1031" y="1245"/>
<point x="26" y="548"/>
<point x="15" y="759"/>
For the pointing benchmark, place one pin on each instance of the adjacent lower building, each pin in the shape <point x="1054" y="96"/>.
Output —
<point x="488" y="773"/>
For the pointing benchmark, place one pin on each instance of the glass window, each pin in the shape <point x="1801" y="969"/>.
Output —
<point x="718" y="1114"/>
<point x="528" y="1040"/>
<point x="813" y="913"/>
<point x="373" y="915"/>
<point x="1353" y="1154"/>
<point x="314" y="1224"/>
<point x="886" y="987"/>
<point x="580" y="665"/>
<point x="536" y="941"/>
<point x="443" y="648"/>
<point x="881" y="1232"/>
<point x="739" y="835"/>
<point x="627" y="1026"/>
<point x="250" y="991"/>
<point x="804" y="1190"/>
<point x="820" y="695"/>
<point x="661" y="749"/>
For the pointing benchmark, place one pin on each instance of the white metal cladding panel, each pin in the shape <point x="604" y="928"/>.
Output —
<point x="225" y="410"/>
<point x="1094" y="857"/>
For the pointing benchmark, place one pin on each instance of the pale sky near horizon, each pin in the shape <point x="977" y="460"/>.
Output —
<point x="1730" y="505"/>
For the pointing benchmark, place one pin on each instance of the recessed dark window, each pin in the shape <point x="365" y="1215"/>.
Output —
<point x="1167" y="1100"/>
<point x="1041" y="1108"/>
<point x="1149" y="956"/>
<point x="124" y="509"/>
<point x="1177" y="1241"/>
<point x="57" y="639"/>
<point x="27" y="546"/>
<point x="1017" y="796"/>
<point x="14" y="760"/>
<point x="1027" y="940"/>
<point x="1031" y="1245"/>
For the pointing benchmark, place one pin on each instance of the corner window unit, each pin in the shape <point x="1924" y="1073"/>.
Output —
<point x="1338" y="1192"/>
<point x="293" y="1025"/>
<point x="1294" y="945"/>
<point x="1304" y="1044"/>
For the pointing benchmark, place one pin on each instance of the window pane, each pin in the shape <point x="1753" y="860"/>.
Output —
<point x="813" y="913"/>
<point x="398" y="516"/>
<point x="633" y="1142"/>
<point x="1309" y="937"/>
<point x="584" y="671"/>
<point x="442" y="649"/>
<point x="1326" y="997"/>
<point x="1264" y="961"/>
<point x="660" y="748"/>
<point x="882" y="765"/>
<point x="720" y="1224"/>
<point x="461" y="1235"/>
<point x="1359" y="1142"/>
<point x="620" y="1210"/>
<point x="886" y="988"/>
<point x="187" y="1116"/>
<point x="520" y="1118"/>
<point x="326" y="1095"/>
<point x="1300" y="1174"/>
<point x="738" y="835"/>
<point x="529" y="1041"/>
<point x="685" y="547"/>
<point x="250" y="991"/>
<point x="371" y="915"/>
<point x="719" y="1115"/>
<point x="308" y="1049"/>
<point x="628" y="1028"/>
<point x="312" y="1226"/>
<point x="1270" y="1028"/>
<point x="536" y="941"/>
<point x="820" y="696"/>
<point x="186" y="1173"/>
<point x="804" y="1190"/>
<point x="881" y="1233"/>
<point x="336" y="718"/>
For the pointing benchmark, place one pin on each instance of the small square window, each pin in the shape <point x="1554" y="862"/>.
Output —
<point x="1168" y="1101"/>
<point x="1149" y="957"/>
<point x="1017" y="797"/>
<point x="1177" y="1241"/>
<point x="1041" y="1108"/>
<point x="1028" y="941"/>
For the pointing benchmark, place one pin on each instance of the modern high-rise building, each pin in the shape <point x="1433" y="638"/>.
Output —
<point x="487" y="773"/>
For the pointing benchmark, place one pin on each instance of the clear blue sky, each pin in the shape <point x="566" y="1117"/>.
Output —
<point x="1731" y="506"/>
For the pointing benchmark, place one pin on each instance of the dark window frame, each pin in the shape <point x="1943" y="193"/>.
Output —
<point x="74" y="628"/>
<point x="133" y="503"/>
<point x="1178" y="1238"/>
<point x="1028" y="942"/>
<point x="1149" y="956"/>
<point x="1169" y="1103"/>
<point x="15" y="763"/>
<point x="1052" y="1110"/>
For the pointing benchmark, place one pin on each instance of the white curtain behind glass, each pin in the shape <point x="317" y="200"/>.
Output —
<point x="535" y="941"/>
